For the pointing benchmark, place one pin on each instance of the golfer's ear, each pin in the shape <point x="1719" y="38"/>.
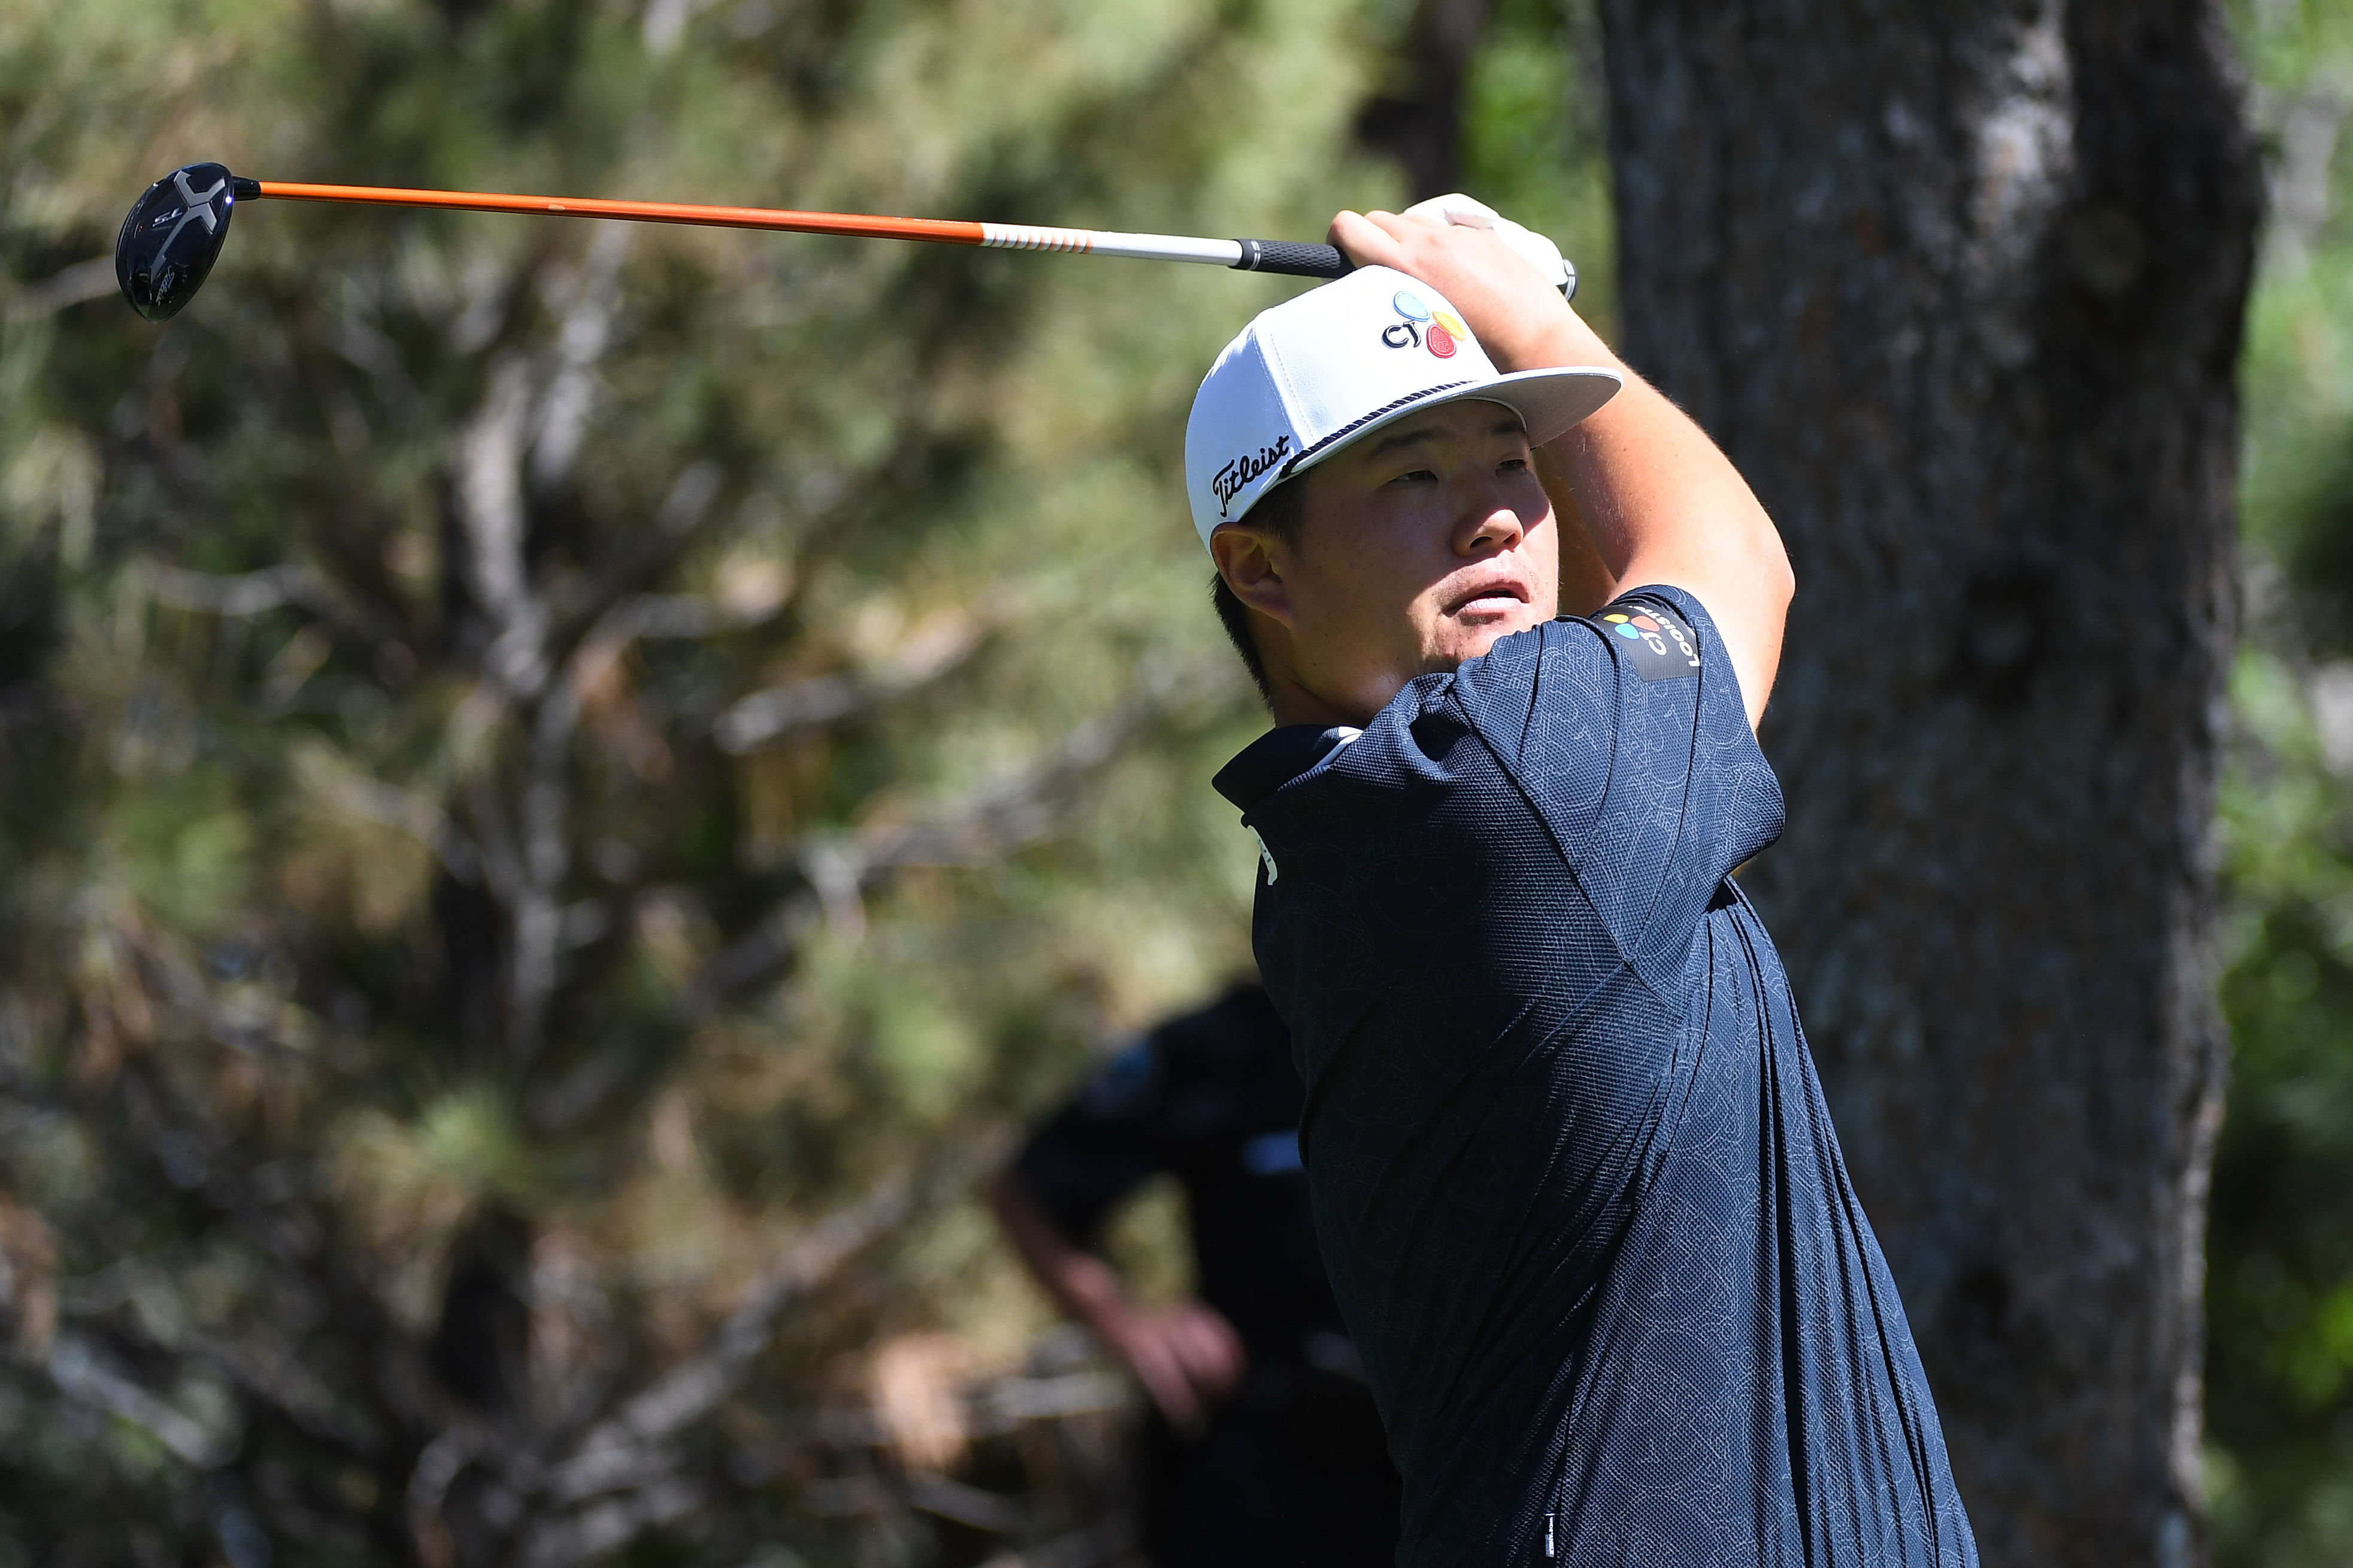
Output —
<point x="1246" y="560"/>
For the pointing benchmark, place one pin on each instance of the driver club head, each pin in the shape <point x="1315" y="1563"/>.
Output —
<point x="173" y="235"/>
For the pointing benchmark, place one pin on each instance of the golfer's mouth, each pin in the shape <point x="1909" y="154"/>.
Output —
<point x="1480" y="600"/>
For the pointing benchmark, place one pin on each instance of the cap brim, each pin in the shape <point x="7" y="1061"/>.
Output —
<point x="1548" y="402"/>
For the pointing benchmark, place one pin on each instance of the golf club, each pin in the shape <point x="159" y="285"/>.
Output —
<point x="175" y="232"/>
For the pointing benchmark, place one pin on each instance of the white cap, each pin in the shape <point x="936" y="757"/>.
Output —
<point x="1313" y="374"/>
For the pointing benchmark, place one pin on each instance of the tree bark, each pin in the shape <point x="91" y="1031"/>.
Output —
<point x="1959" y="286"/>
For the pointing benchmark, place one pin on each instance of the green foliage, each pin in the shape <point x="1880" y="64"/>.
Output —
<point x="1535" y="138"/>
<point x="279" y="1093"/>
<point x="2281" y="1269"/>
<point x="435" y="996"/>
<point x="2280" y="1292"/>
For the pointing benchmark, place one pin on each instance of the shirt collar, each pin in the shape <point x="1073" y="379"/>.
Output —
<point x="1276" y="758"/>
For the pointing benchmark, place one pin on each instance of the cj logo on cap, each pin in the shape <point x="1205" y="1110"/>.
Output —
<point x="1422" y="327"/>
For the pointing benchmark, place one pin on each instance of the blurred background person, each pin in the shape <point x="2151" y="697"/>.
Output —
<point x="1262" y="1445"/>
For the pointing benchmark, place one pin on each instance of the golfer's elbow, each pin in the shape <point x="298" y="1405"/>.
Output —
<point x="1756" y="639"/>
<point x="1752" y="561"/>
<point x="1752" y="564"/>
<point x="1779" y="578"/>
<point x="1766" y="560"/>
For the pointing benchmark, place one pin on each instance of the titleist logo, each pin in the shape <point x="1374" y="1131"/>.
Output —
<point x="1230" y="480"/>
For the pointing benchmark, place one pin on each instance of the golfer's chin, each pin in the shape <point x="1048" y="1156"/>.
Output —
<point x="1350" y="690"/>
<point x="1469" y="633"/>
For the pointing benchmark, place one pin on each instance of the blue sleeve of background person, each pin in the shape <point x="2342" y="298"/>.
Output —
<point x="1642" y="767"/>
<point x="1106" y="1141"/>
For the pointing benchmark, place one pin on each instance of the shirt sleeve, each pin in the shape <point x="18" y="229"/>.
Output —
<point x="1626" y="730"/>
<point x="1106" y="1141"/>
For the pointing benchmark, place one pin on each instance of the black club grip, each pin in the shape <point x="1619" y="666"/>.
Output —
<point x="1293" y="258"/>
<point x="1297" y="260"/>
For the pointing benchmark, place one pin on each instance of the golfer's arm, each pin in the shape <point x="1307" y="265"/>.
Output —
<point x="1588" y="580"/>
<point x="1660" y="504"/>
<point x="1083" y="1285"/>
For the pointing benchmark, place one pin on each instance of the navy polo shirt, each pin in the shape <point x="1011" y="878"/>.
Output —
<point x="1573" y="1175"/>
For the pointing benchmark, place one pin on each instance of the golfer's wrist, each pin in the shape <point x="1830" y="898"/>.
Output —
<point x="1108" y="1315"/>
<point x="1122" y="1331"/>
<point x="1562" y="338"/>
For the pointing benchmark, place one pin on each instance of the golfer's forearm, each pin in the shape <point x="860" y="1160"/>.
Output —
<point x="1588" y="579"/>
<point x="1663" y="504"/>
<point x="1648" y="482"/>
<point x="1083" y="1285"/>
<point x="1089" y="1292"/>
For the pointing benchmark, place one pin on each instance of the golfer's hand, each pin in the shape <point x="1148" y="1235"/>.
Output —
<point x="1188" y="1357"/>
<point x="1518" y="317"/>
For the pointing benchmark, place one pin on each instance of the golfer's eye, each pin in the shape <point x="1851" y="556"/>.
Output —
<point x="1514" y="466"/>
<point x="1418" y="476"/>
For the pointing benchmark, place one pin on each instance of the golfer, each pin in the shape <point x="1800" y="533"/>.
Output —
<point x="1572" y="1173"/>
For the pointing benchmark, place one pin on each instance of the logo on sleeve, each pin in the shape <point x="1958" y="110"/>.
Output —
<point x="1657" y="643"/>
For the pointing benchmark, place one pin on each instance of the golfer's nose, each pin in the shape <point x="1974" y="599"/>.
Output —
<point x="1489" y="524"/>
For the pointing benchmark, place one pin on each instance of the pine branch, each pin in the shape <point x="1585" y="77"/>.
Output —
<point x="81" y="1375"/>
<point x="590" y="297"/>
<point x="246" y="594"/>
<point x="492" y="518"/>
<point x="622" y="1474"/>
<point x="778" y="715"/>
<point x="988" y="824"/>
<point x="84" y="280"/>
<point x="405" y="810"/>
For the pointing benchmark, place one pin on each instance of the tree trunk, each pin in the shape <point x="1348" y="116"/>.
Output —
<point x="1958" y="286"/>
<point x="1420" y="121"/>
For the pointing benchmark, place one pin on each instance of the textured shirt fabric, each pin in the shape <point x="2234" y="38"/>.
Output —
<point x="1573" y="1174"/>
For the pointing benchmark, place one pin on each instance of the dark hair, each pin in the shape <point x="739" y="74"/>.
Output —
<point x="1277" y="512"/>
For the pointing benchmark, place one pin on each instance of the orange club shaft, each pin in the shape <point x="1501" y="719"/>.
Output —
<point x="174" y="233"/>
<point x="863" y="225"/>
